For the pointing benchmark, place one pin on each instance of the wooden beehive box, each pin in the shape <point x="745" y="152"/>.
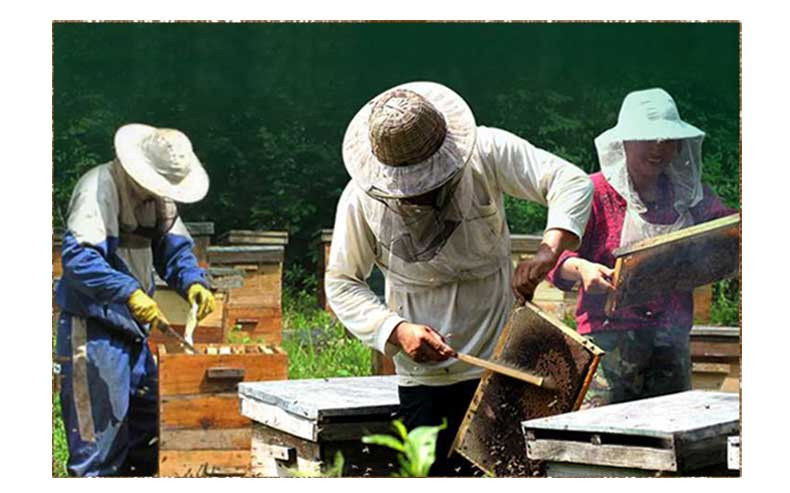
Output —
<point x="299" y="425"/>
<point x="676" y="434"/>
<point x="537" y="342"/>
<point x="201" y="431"/>
<point x="254" y="294"/>
<point x="678" y="261"/>
<point x="715" y="358"/>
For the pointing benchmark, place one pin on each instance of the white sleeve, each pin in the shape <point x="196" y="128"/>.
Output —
<point x="351" y="260"/>
<point x="526" y="172"/>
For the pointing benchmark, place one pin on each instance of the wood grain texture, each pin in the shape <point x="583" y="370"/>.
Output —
<point x="321" y="398"/>
<point x="181" y="373"/>
<point x="692" y="426"/>
<point x="219" y="439"/>
<point x="204" y="412"/>
<point x="490" y="435"/>
<point x="204" y="463"/>
<point x="678" y="261"/>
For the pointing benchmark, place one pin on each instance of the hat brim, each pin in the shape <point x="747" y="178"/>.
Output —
<point x="128" y="148"/>
<point x="661" y="130"/>
<point x="415" y="179"/>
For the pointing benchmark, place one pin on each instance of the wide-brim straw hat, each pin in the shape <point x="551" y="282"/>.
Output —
<point x="162" y="161"/>
<point x="420" y="160"/>
<point x="650" y="114"/>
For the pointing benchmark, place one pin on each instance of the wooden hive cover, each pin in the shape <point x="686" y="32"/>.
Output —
<point x="675" y="432"/>
<point x="253" y="237"/>
<point x="490" y="435"/>
<point x="677" y="261"/>
<point x="305" y="408"/>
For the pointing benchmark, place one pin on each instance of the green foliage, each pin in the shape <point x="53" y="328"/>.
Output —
<point x="416" y="448"/>
<point x="725" y="309"/>
<point x="60" y="448"/>
<point x="317" y="345"/>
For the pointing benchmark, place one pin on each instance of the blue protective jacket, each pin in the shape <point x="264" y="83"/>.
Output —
<point x="106" y="257"/>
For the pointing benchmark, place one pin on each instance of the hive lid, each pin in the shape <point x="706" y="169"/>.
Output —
<point x="325" y="397"/>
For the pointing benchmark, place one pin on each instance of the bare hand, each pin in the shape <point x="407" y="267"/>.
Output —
<point x="596" y="278"/>
<point x="531" y="272"/>
<point x="420" y="342"/>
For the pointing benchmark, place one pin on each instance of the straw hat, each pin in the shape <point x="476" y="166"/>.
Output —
<point x="650" y="114"/>
<point x="409" y="140"/>
<point x="161" y="160"/>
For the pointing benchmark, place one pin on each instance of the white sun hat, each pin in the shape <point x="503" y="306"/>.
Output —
<point x="650" y="114"/>
<point x="409" y="140"/>
<point x="161" y="160"/>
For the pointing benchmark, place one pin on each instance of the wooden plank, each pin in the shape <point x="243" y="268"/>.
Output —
<point x="655" y="459"/>
<point x="183" y="373"/>
<point x="204" y="412"/>
<point x="540" y="344"/>
<point x="229" y="255"/>
<point x="354" y="430"/>
<point x="678" y="261"/>
<point x="322" y="398"/>
<point x="253" y="237"/>
<point x="660" y="417"/>
<point x="219" y="439"/>
<point x="734" y="452"/>
<point x="204" y="463"/>
<point x="271" y="456"/>
<point x="276" y="418"/>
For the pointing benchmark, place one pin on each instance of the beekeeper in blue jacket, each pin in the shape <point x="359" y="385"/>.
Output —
<point x="122" y="224"/>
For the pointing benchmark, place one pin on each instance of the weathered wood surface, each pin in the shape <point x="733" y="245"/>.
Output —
<point x="258" y="254"/>
<point x="204" y="463"/>
<point x="734" y="452"/>
<point x="182" y="373"/>
<point x="200" y="439"/>
<point x="253" y="237"/>
<point x="209" y="411"/>
<point x="277" y="454"/>
<point x="322" y="398"/>
<point x="200" y="228"/>
<point x="678" y="261"/>
<point x="490" y="435"/>
<point x="691" y="426"/>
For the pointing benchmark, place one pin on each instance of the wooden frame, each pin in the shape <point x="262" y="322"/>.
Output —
<point x="534" y="341"/>
<point x="678" y="261"/>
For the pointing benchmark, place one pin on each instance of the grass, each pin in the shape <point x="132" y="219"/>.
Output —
<point x="60" y="450"/>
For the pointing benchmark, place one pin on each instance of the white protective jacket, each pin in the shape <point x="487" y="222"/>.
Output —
<point x="464" y="292"/>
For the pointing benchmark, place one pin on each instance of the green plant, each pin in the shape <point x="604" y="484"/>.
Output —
<point x="60" y="448"/>
<point x="417" y="448"/>
<point x="725" y="309"/>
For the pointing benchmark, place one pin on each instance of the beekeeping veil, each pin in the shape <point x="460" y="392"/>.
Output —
<point x="410" y="140"/>
<point x="651" y="114"/>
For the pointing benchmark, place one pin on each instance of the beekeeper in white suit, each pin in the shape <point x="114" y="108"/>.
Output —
<point x="426" y="205"/>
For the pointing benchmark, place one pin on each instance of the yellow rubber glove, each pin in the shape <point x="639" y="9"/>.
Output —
<point x="144" y="308"/>
<point x="197" y="293"/>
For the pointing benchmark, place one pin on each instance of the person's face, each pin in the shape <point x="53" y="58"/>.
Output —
<point x="647" y="159"/>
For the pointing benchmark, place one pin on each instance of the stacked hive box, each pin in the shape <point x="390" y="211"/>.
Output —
<point x="715" y="358"/>
<point x="248" y="267"/>
<point x="175" y="308"/>
<point x="201" y="431"/>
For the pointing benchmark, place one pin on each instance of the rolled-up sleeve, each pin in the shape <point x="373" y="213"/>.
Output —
<point x="351" y="260"/>
<point x="527" y="172"/>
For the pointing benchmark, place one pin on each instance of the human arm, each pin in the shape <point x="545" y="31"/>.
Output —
<point x="524" y="171"/>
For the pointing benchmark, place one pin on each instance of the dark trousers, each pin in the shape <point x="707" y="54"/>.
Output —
<point x="425" y="405"/>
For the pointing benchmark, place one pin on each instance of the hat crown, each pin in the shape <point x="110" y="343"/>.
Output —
<point x="405" y="128"/>
<point x="169" y="152"/>
<point x="648" y="106"/>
